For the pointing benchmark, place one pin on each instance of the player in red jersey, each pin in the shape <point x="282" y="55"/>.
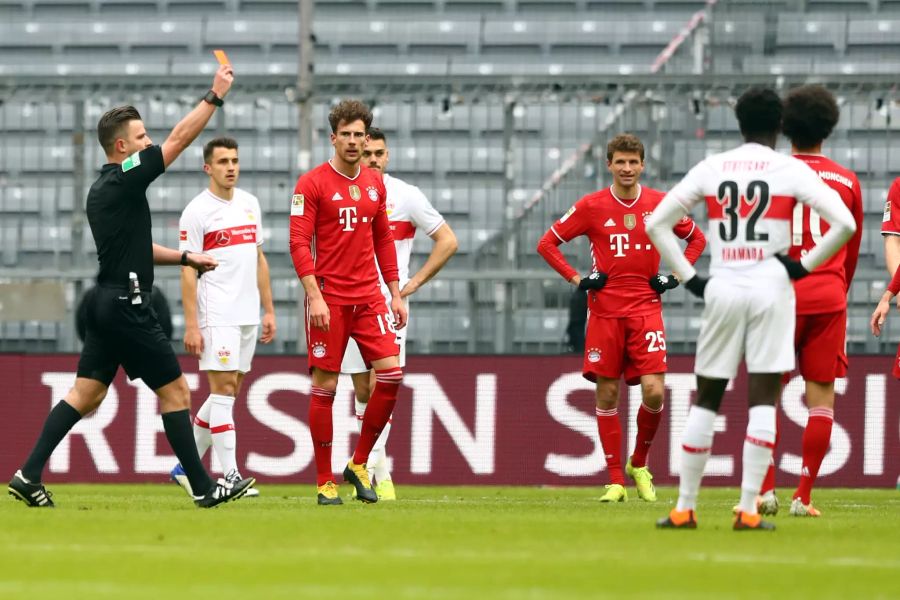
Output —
<point x="338" y="228"/>
<point x="625" y="332"/>
<point x="890" y="229"/>
<point x="810" y="114"/>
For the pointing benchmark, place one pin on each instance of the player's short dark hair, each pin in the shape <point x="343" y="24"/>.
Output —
<point x="758" y="112"/>
<point x="219" y="142"/>
<point x="110" y="126"/>
<point x="376" y="134"/>
<point x="624" y="142"/>
<point x="348" y="111"/>
<point x="810" y="114"/>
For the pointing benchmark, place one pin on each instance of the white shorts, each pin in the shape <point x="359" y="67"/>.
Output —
<point x="228" y="348"/>
<point x="753" y="322"/>
<point x="353" y="362"/>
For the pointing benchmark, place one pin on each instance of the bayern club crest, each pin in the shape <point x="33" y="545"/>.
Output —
<point x="318" y="350"/>
<point x="646" y="216"/>
<point x="593" y="355"/>
<point x="373" y="193"/>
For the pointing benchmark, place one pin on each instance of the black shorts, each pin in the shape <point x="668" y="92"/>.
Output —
<point x="121" y="333"/>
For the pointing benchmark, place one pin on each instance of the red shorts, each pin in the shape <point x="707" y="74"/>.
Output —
<point x="630" y="346"/>
<point x="371" y="325"/>
<point x="819" y="341"/>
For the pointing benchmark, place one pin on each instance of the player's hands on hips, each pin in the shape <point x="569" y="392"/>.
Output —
<point x="595" y="281"/>
<point x="319" y="314"/>
<point x="662" y="283"/>
<point x="268" y="328"/>
<point x="696" y="285"/>
<point x="201" y="262"/>
<point x="795" y="268"/>
<point x="223" y="80"/>
<point x="193" y="342"/>
<point x="398" y="311"/>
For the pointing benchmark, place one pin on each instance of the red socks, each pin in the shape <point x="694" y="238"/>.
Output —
<point x="322" y="430"/>
<point x="611" y="438"/>
<point x="647" y="423"/>
<point x="378" y="411"/>
<point x="816" y="439"/>
<point x="768" y="484"/>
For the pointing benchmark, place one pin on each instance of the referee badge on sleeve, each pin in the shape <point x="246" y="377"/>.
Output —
<point x="297" y="205"/>
<point x="131" y="162"/>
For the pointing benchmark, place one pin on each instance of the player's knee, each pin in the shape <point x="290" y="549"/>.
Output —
<point x="607" y="393"/>
<point x="390" y="376"/>
<point x="85" y="402"/>
<point x="653" y="396"/>
<point x="175" y="396"/>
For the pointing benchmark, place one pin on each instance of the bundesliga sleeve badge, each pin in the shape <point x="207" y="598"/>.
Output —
<point x="297" y="205"/>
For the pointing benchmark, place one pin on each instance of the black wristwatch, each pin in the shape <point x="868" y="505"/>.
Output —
<point x="184" y="262"/>
<point x="211" y="98"/>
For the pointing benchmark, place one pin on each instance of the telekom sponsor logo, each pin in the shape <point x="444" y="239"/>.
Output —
<point x="231" y="236"/>
<point x="459" y="420"/>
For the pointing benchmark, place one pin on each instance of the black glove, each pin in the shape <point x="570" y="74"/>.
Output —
<point x="696" y="285"/>
<point x="661" y="283"/>
<point x="595" y="281"/>
<point x="795" y="268"/>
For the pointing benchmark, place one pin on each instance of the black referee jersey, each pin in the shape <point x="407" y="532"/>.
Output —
<point x="122" y="327"/>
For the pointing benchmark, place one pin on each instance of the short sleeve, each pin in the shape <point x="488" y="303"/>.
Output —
<point x="142" y="168"/>
<point x="423" y="215"/>
<point x="190" y="231"/>
<point x="574" y="222"/>
<point x="890" y="222"/>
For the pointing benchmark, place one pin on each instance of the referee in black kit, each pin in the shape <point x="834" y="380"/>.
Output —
<point x="122" y="328"/>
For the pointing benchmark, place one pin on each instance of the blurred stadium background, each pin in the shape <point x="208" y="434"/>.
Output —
<point x="498" y="109"/>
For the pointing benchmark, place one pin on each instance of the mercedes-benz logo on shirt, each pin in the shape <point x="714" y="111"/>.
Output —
<point x="223" y="237"/>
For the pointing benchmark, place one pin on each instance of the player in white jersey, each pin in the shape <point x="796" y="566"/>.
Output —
<point x="408" y="210"/>
<point x="221" y="311"/>
<point x="750" y="193"/>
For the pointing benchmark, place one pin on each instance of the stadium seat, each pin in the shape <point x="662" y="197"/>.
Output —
<point x="811" y="32"/>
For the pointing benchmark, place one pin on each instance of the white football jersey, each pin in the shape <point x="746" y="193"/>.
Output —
<point x="408" y="209"/>
<point x="230" y="231"/>
<point x="750" y="193"/>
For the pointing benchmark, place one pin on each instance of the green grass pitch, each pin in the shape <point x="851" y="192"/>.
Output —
<point x="148" y="542"/>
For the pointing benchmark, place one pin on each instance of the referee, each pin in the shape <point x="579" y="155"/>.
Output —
<point x="122" y="327"/>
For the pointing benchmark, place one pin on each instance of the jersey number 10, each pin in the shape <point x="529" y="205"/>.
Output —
<point x="815" y="226"/>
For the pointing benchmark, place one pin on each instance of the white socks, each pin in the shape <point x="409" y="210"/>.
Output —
<point x="758" y="447"/>
<point x="377" y="465"/>
<point x="696" y="443"/>
<point x="214" y="425"/>
<point x="202" y="437"/>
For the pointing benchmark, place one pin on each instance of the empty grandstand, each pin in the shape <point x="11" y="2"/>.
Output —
<point x="499" y="110"/>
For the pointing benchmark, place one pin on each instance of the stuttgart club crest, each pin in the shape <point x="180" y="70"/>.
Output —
<point x="318" y="350"/>
<point x="223" y="355"/>
<point x="593" y="355"/>
<point x="355" y="193"/>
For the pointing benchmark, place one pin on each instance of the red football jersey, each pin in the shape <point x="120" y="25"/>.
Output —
<point x="620" y="248"/>
<point x="825" y="289"/>
<point x="890" y="224"/>
<point x="338" y="227"/>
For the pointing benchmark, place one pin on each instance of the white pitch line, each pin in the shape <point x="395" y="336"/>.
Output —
<point x="834" y="561"/>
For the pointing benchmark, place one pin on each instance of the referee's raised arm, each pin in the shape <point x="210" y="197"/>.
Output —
<point x="187" y="130"/>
